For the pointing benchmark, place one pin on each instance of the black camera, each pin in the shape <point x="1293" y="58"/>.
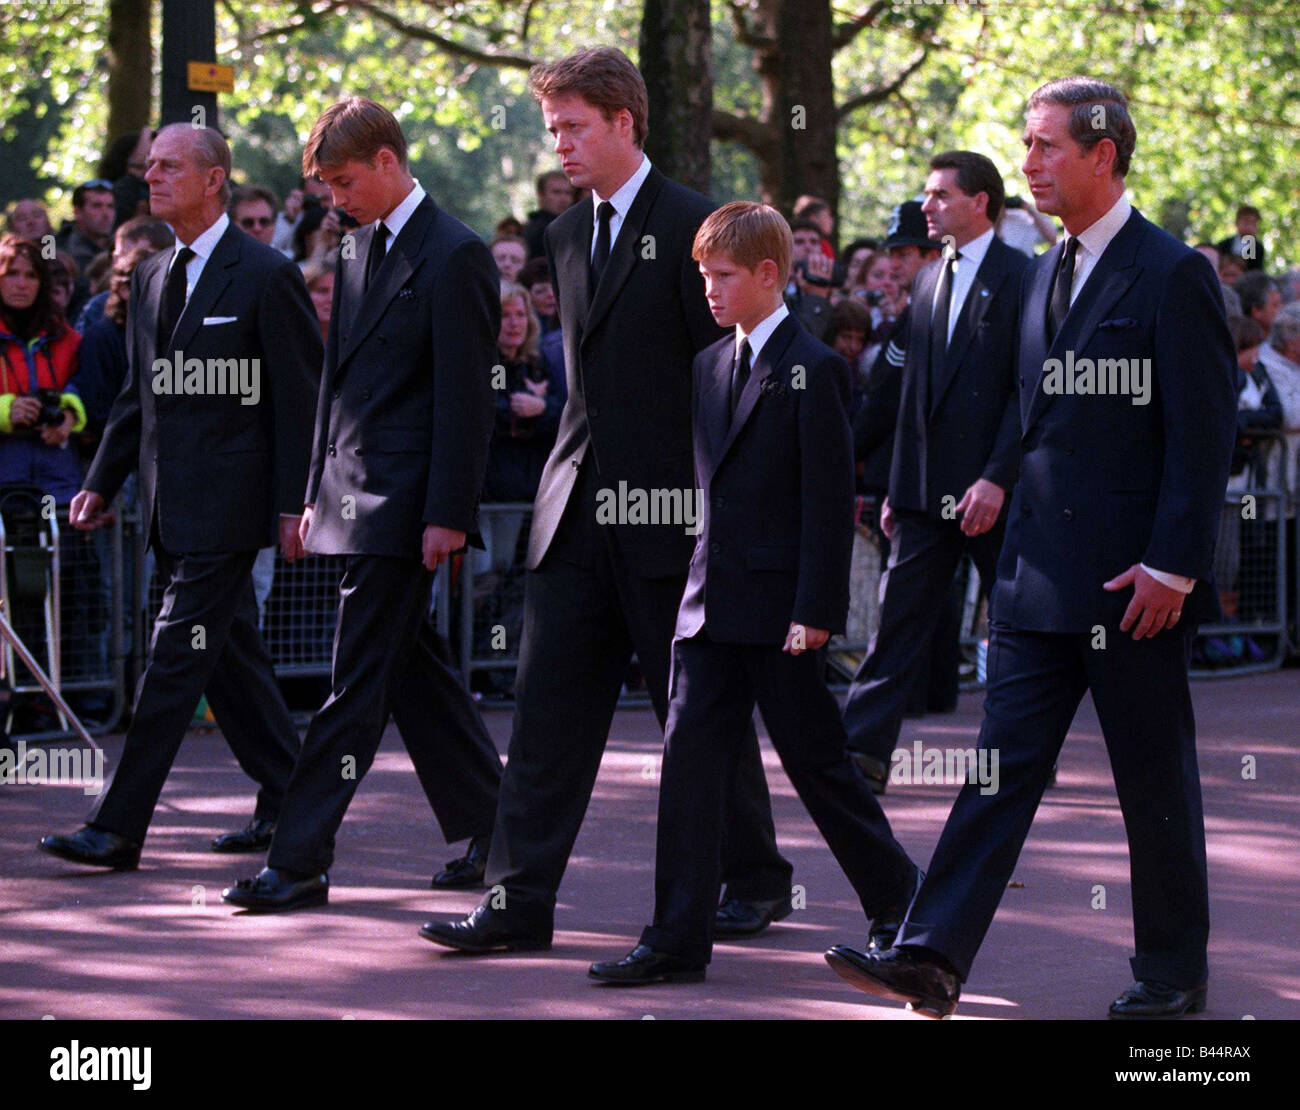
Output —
<point x="873" y="297"/>
<point x="1013" y="202"/>
<point x="51" y="408"/>
<point x="802" y="267"/>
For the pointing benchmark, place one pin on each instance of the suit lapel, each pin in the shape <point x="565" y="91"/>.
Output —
<point x="623" y="253"/>
<point x="573" y="266"/>
<point x="768" y="359"/>
<point x="715" y="408"/>
<point x="988" y="280"/>
<point x="401" y="261"/>
<point x="150" y="307"/>
<point x="926" y="282"/>
<point x="1115" y="272"/>
<point x="212" y="283"/>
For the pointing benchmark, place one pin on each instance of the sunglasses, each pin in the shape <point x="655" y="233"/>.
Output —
<point x="97" y="183"/>
<point x="256" y="221"/>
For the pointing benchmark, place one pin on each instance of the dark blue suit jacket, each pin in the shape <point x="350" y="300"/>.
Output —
<point x="1105" y="483"/>
<point x="776" y="533"/>
<point x="970" y="427"/>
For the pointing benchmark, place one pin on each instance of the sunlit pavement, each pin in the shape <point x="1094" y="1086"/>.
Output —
<point x="159" y="942"/>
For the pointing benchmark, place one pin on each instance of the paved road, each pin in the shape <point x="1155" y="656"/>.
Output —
<point x="159" y="942"/>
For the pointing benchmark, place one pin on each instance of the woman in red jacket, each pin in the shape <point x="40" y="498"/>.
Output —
<point x="39" y="405"/>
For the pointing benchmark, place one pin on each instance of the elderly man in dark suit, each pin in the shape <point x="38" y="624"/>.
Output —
<point x="224" y="351"/>
<point x="956" y="442"/>
<point x="603" y="585"/>
<point x="1126" y="378"/>
<point x="402" y="429"/>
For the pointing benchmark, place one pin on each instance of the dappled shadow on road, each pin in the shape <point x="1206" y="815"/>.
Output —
<point x="159" y="942"/>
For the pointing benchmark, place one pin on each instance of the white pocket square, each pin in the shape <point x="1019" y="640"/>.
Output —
<point x="219" y="320"/>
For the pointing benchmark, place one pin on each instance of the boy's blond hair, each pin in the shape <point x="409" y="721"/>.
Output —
<point x="747" y="232"/>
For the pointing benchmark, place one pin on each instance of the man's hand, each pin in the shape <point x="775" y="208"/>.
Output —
<point x="438" y="543"/>
<point x="979" y="507"/>
<point x="291" y="542"/>
<point x="24" y="411"/>
<point x="1154" y="607"/>
<point x="55" y="435"/>
<point x="526" y="405"/>
<point x="88" y="511"/>
<point x="887" y="519"/>
<point x="818" y="266"/>
<point x="304" y="522"/>
<point x="801" y="638"/>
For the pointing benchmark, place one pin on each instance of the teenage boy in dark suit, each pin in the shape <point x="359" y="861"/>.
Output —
<point x="768" y="584"/>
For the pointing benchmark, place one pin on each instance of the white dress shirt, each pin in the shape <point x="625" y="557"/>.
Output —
<point x="963" y="276"/>
<point x="761" y="334"/>
<point x="621" y="200"/>
<point x="203" y="246"/>
<point x="1093" y="241"/>
<point x="396" y="219"/>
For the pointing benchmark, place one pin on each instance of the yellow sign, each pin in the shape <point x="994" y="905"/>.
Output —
<point x="210" y="77"/>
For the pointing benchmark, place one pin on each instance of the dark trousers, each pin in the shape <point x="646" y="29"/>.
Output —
<point x="585" y="613"/>
<point x="206" y="638"/>
<point x="715" y="687"/>
<point x="914" y="592"/>
<point x="1035" y="683"/>
<point x="387" y="658"/>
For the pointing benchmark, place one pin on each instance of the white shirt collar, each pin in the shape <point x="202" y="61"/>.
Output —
<point x="762" y="332"/>
<point x="625" y="194"/>
<point x="206" y="241"/>
<point x="1096" y="237"/>
<point x="972" y="254"/>
<point x="396" y="219"/>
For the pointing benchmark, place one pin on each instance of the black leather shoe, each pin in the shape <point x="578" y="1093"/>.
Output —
<point x="738" y="918"/>
<point x="885" y="925"/>
<point x="94" y="847"/>
<point x="643" y="965"/>
<point x="1148" y="1000"/>
<point x="875" y="771"/>
<point x="273" y="891"/>
<point x="253" y="837"/>
<point x="485" y="930"/>
<point x="466" y="871"/>
<point x="896" y="973"/>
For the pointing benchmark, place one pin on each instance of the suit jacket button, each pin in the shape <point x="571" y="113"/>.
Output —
<point x="365" y="395"/>
<point x="974" y="392"/>
<point x="1069" y="514"/>
<point x="337" y="394"/>
<point x="715" y="547"/>
<point x="718" y="502"/>
<point x="1069" y="450"/>
<point x="356" y="450"/>
<point x="593" y="411"/>
<point x="1024" y="510"/>
<point x="331" y="450"/>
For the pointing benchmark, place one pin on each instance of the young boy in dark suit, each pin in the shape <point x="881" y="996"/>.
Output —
<point x="768" y="585"/>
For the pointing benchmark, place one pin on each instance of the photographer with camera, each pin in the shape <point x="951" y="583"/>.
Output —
<point x="807" y="294"/>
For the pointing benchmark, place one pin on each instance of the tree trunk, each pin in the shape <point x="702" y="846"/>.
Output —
<point x="130" y="68"/>
<point x="676" y="63"/>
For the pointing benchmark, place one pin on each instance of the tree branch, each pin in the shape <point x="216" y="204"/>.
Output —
<point x="751" y="133"/>
<point x="449" y="46"/>
<point x="881" y="92"/>
<point x="845" y="33"/>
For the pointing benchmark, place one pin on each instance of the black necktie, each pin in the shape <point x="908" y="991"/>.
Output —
<point x="739" y="375"/>
<point x="1059" y="305"/>
<point x="173" y="298"/>
<point x="375" y="256"/>
<point x="939" y="324"/>
<point x="604" y="211"/>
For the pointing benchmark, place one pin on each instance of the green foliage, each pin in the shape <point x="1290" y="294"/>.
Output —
<point x="1212" y="85"/>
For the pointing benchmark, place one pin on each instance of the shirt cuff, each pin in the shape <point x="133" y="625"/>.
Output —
<point x="1173" y="581"/>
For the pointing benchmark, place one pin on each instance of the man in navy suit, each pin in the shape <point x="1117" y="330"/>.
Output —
<point x="1127" y="407"/>
<point x="768" y="584"/>
<point x="403" y="420"/>
<point x="956" y="443"/>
